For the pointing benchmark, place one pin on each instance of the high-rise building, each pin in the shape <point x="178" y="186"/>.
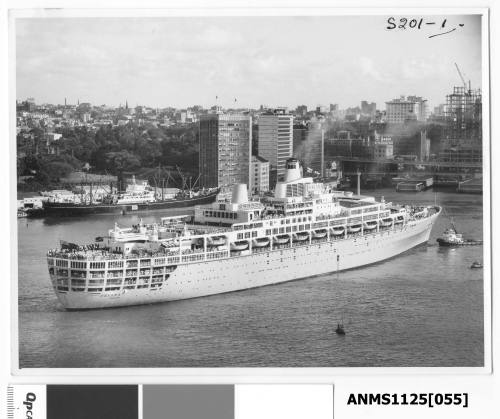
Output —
<point x="259" y="175"/>
<point x="275" y="142"/>
<point x="225" y="149"/>
<point x="411" y="108"/>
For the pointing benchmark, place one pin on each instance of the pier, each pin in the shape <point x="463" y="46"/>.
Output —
<point x="443" y="173"/>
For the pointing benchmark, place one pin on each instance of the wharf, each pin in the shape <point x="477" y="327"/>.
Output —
<point x="471" y="186"/>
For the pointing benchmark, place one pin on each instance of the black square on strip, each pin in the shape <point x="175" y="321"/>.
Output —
<point x="92" y="402"/>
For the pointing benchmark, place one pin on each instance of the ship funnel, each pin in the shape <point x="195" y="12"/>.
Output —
<point x="292" y="170"/>
<point x="240" y="194"/>
<point x="280" y="191"/>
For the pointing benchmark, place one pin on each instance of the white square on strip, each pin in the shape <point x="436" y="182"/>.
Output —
<point x="27" y="401"/>
<point x="284" y="401"/>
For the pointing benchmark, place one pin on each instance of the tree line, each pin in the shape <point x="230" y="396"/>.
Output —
<point x="111" y="149"/>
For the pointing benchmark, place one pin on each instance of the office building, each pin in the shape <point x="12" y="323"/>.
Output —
<point x="411" y="108"/>
<point x="225" y="149"/>
<point x="259" y="175"/>
<point x="383" y="148"/>
<point x="275" y="142"/>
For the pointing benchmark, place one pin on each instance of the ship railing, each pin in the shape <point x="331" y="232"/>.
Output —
<point x="85" y="255"/>
<point x="192" y="251"/>
<point x="217" y="254"/>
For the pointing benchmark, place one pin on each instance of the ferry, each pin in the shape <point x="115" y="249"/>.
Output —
<point x="304" y="229"/>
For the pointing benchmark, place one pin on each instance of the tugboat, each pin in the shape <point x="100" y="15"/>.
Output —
<point x="476" y="265"/>
<point x="452" y="238"/>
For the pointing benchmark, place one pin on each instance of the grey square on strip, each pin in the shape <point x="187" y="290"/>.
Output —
<point x="188" y="402"/>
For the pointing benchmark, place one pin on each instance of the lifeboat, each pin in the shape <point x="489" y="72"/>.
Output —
<point x="337" y="231"/>
<point x="386" y="222"/>
<point x="354" y="228"/>
<point x="282" y="239"/>
<point x="301" y="236"/>
<point x="370" y="225"/>
<point x="239" y="245"/>
<point x="319" y="234"/>
<point x="261" y="242"/>
<point x="217" y="240"/>
<point x="399" y="219"/>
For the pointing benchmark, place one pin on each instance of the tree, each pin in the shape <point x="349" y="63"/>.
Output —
<point x="119" y="161"/>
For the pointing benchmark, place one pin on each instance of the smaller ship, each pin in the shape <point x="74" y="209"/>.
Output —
<point x="138" y="196"/>
<point x="340" y="329"/>
<point x="452" y="238"/>
<point x="30" y="207"/>
<point x="476" y="265"/>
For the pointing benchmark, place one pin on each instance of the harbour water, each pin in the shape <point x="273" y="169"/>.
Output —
<point x="421" y="309"/>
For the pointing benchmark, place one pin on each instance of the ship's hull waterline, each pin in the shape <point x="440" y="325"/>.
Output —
<point x="209" y="277"/>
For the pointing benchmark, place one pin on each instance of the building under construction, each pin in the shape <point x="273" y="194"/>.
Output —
<point x="463" y="116"/>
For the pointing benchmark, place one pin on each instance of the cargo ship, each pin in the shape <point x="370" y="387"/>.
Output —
<point x="138" y="196"/>
<point x="304" y="229"/>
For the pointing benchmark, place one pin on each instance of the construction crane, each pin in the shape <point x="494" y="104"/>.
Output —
<point x="463" y="80"/>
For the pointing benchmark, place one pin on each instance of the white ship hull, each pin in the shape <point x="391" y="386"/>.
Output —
<point x="262" y="268"/>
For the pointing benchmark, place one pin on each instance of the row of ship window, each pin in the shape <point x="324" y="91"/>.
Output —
<point x="117" y="273"/>
<point x="220" y="214"/>
<point x="102" y="264"/>
<point x="303" y="227"/>
<point x="64" y="284"/>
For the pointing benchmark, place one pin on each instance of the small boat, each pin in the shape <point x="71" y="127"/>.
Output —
<point x="386" y="222"/>
<point x="282" y="239"/>
<point x="354" y="228"/>
<point x="261" y="242"/>
<point x="319" y="234"/>
<point x="239" y="245"/>
<point x="451" y="238"/>
<point x="21" y="213"/>
<point x="399" y="219"/>
<point x="301" y="236"/>
<point x="337" y="231"/>
<point x="370" y="225"/>
<point x="217" y="240"/>
<point x="340" y="329"/>
<point x="476" y="265"/>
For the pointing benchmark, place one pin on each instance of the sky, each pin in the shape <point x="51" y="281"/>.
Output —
<point x="274" y="61"/>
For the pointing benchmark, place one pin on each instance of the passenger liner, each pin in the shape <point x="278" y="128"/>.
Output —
<point x="305" y="229"/>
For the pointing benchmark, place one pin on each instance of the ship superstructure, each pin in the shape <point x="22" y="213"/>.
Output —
<point x="305" y="229"/>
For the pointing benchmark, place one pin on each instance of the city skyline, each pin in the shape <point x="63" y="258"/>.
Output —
<point x="288" y="61"/>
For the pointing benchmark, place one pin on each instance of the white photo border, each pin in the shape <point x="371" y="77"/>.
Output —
<point x="248" y="375"/>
